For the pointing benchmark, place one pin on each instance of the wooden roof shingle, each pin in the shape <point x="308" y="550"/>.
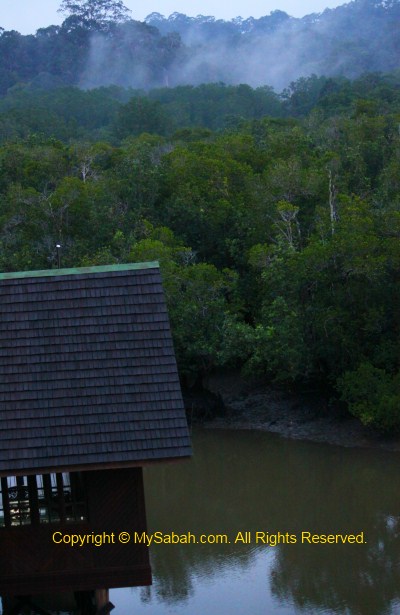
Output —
<point x="88" y="371"/>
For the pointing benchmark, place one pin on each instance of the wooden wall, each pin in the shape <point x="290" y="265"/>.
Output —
<point x="31" y="563"/>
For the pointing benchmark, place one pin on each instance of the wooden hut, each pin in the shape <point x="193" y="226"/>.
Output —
<point x="89" y="393"/>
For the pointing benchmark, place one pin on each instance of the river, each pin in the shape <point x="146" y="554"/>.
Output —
<point x="249" y="481"/>
<point x="240" y="483"/>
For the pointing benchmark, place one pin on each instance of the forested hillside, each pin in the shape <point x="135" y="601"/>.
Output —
<point x="100" y="46"/>
<point x="275" y="218"/>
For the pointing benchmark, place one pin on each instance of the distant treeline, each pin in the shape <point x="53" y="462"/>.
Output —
<point x="276" y="219"/>
<point x="89" y="51"/>
<point x="113" y="113"/>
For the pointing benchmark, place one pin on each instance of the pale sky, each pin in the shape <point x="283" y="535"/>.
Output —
<point x="26" y="16"/>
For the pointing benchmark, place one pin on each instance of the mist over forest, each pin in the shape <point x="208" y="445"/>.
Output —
<point x="274" y="50"/>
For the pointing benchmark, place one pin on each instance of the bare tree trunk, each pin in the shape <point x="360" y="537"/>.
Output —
<point x="332" y="200"/>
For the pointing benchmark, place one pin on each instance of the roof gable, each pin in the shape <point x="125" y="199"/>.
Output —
<point x="88" y="372"/>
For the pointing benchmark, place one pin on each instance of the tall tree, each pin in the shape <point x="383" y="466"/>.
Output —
<point x="100" y="12"/>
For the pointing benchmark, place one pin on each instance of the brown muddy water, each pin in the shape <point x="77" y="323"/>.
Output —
<point x="249" y="481"/>
<point x="242" y="482"/>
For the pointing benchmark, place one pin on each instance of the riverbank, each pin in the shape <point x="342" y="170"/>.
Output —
<point x="302" y="416"/>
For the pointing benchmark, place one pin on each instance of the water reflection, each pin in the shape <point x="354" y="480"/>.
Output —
<point x="249" y="481"/>
<point x="242" y="481"/>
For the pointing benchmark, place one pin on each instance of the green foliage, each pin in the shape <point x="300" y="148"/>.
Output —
<point x="216" y="105"/>
<point x="274" y="347"/>
<point x="372" y="395"/>
<point x="95" y="12"/>
<point x="141" y="115"/>
<point x="278" y="238"/>
<point x="197" y="297"/>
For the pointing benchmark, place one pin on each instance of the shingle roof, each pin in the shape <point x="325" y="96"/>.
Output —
<point x="87" y="369"/>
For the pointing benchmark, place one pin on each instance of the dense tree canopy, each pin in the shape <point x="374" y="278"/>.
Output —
<point x="99" y="12"/>
<point x="278" y="237"/>
<point x="98" y="45"/>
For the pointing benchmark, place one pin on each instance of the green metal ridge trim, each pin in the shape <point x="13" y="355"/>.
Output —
<point x="77" y="270"/>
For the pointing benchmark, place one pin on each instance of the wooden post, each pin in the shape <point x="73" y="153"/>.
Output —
<point x="103" y="604"/>
<point x="6" y="502"/>
<point x="60" y="496"/>
<point x="33" y="500"/>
